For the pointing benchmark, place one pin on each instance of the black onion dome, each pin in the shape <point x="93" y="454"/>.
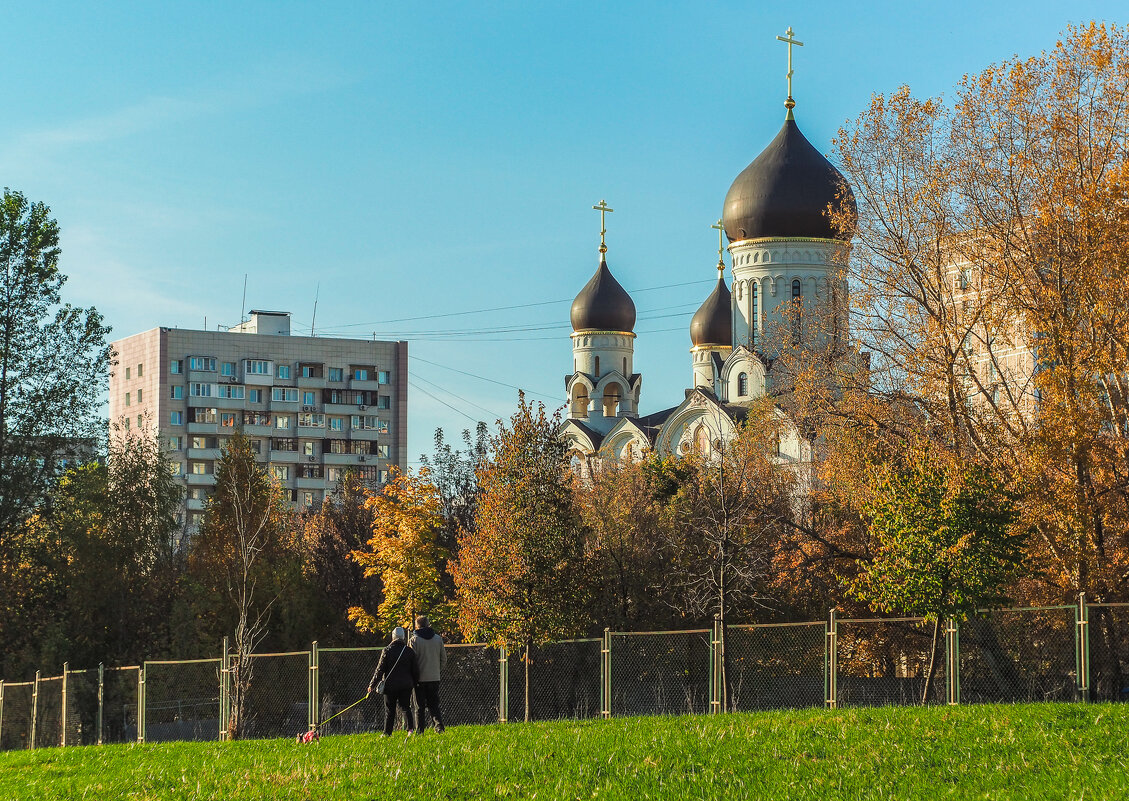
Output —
<point x="603" y="304"/>
<point x="713" y="321"/>
<point x="785" y="192"/>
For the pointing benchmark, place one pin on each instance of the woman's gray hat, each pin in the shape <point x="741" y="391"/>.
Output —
<point x="398" y="633"/>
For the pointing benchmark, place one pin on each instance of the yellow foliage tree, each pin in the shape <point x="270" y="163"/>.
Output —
<point x="404" y="552"/>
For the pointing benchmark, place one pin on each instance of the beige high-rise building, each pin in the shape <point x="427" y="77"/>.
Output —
<point x="313" y="407"/>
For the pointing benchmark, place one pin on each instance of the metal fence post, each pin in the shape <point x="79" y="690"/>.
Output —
<point x="1082" y="648"/>
<point x="1" y="710"/>
<point x="715" y="668"/>
<point x="34" y="708"/>
<point x="312" y="713"/>
<point x="503" y="684"/>
<point x="101" y="698"/>
<point x="606" y="678"/>
<point x="952" y="662"/>
<point x="831" y="661"/>
<point x="225" y="689"/>
<point x="63" y="733"/>
<point x="141" y="703"/>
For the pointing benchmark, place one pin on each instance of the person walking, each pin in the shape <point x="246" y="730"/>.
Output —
<point x="399" y="672"/>
<point x="432" y="656"/>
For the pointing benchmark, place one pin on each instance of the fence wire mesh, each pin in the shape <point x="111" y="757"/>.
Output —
<point x="564" y="681"/>
<point x="119" y="704"/>
<point x="660" y="673"/>
<point x="469" y="692"/>
<point x="1018" y="655"/>
<point x="15" y="726"/>
<point x="182" y="700"/>
<point x="888" y="662"/>
<point x="82" y="707"/>
<point x="778" y="666"/>
<point x="49" y="713"/>
<point x="277" y="703"/>
<point x="343" y="677"/>
<point x="1109" y="652"/>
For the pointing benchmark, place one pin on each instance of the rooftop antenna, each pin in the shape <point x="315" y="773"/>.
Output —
<point x="316" y="293"/>
<point x="243" y="305"/>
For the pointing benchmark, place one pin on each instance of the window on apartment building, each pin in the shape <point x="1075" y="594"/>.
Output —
<point x="127" y="374"/>
<point x="256" y="418"/>
<point x="227" y="419"/>
<point x="126" y="421"/>
<point x="227" y="369"/>
<point x="176" y="366"/>
<point x="382" y="451"/>
<point x="176" y="418"/>
<point x="176" y="468"/>
<point x="199" y="442"/>
<point x="310" y="370"/>
<point x="257" y="446"/>
<point x="282" y="421"/>
<point x="309" y="420"/>
<point x="283" y="371"/>
<point x="205" y="364"/>
<point x="280" y="394"/>
<point x="176" y="392"/>
<point x="176" y="443"/>
<point x="382" y="426"/>
<point x="965" y="277"/>
<point x="202" y="415"/>
<point x="336" y="374"/>
<point x="128" y="395"/>
<point x="198" y="390"/>
<point x="382" y="376"/>
<point x="382" y="476"/>
<point x="280" y="471"/>
<point x="309" y="448"/>
<point x="361" y="447"/>
<point x="307" y="499"/>
<point x="258" y="367"/>
<point x="309" y="398"/>
<point x="140" y="370"/>
<point x="283" y="444"/>
<point x="254" y="396"/>
<point x="139" y="396"/>
<point x="337" y="424"/>
<point x="199" y="468"/>
<point x="230" y="391"/>
<point x="384" y="402"/>
<point x="338" y="446"/>
<point x="334" y="473"/>
<point x="139" y="422"/>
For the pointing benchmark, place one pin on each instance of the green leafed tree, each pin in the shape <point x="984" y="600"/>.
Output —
<point x="522" y="574"/>
<point x="943" y="542"/>
<point x="53" y="363"/>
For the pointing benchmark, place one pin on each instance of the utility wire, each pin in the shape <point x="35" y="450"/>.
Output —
<point x="484" y="378"/>
<point x="453" y="395"/>
<point x="440" y="400"/>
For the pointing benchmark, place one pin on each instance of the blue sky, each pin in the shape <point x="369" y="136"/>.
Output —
<point x="417" y="160"/>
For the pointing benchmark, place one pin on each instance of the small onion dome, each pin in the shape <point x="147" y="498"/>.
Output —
<point x="785" y="192"/>
<point x="603" y="304"/>
<point x="713" y="321"/>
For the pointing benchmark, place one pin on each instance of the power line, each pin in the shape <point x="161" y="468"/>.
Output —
<point x="453" y="395"/>
<point x="484" y="378"/>
<point x="440" y="400"/>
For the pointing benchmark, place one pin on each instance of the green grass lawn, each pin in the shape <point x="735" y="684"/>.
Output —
<point x="1022" y="752"/>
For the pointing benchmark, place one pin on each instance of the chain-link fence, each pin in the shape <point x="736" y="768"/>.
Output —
<point x="278" y="697"/>
<point x="883" y="662"/>
<point x="1109" y="651"/>
<point x="660" y="673"/>
<point x="1019" y="655"/>
<point x="1060" y="653"/>
<point x="776" y="666"/>
<point x="15" y="715"/>
<point x="182" y="700"/>
<point x="564" y="680"/>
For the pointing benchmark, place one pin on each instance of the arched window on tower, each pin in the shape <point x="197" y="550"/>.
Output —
<point x="624" y="371"/>
<point x="597" y="367"/>
<point x="742" y="385"/>
<point x="753" y="316"/>
<point x="612" y="396"/>
<point x="579" y="401"/>
<point x="797" y="308"/>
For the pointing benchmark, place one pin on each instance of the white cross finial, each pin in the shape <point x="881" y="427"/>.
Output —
<point x="790" y="40"/>
<point x="603" y="208"/>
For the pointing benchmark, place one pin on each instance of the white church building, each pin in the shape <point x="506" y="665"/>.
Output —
<point x="784" y="250"/>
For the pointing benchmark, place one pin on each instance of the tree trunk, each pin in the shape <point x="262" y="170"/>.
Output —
<point x="528" y="661"/>
<point x="932" y="662"/>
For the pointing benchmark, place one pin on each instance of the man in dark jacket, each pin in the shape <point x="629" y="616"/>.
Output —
<point x="400" y="671"/>
<point x="432" y="657"/>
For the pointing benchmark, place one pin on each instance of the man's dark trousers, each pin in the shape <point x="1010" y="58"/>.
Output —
<point x="427" y="697"/>
<point x="403" y="699"/>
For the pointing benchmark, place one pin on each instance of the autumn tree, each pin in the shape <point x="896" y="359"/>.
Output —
<point x="735" y="505"/>
<point x="454" y="472"/>
<point x="522" y="574"/>
<point x="244" y="558"/>
<point x="944" y="541"/>
<point x="403" y="552"/>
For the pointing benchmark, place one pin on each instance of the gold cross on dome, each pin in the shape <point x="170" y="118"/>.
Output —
<point x="790" y="40"/>
<point x="603" y="208"/>
<point x="720" y="244"/>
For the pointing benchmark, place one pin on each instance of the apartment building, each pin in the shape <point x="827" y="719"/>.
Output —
<point x="313" y="407"/>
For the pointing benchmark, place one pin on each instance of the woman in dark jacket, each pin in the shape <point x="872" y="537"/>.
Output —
<point x="400" y="671"/>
